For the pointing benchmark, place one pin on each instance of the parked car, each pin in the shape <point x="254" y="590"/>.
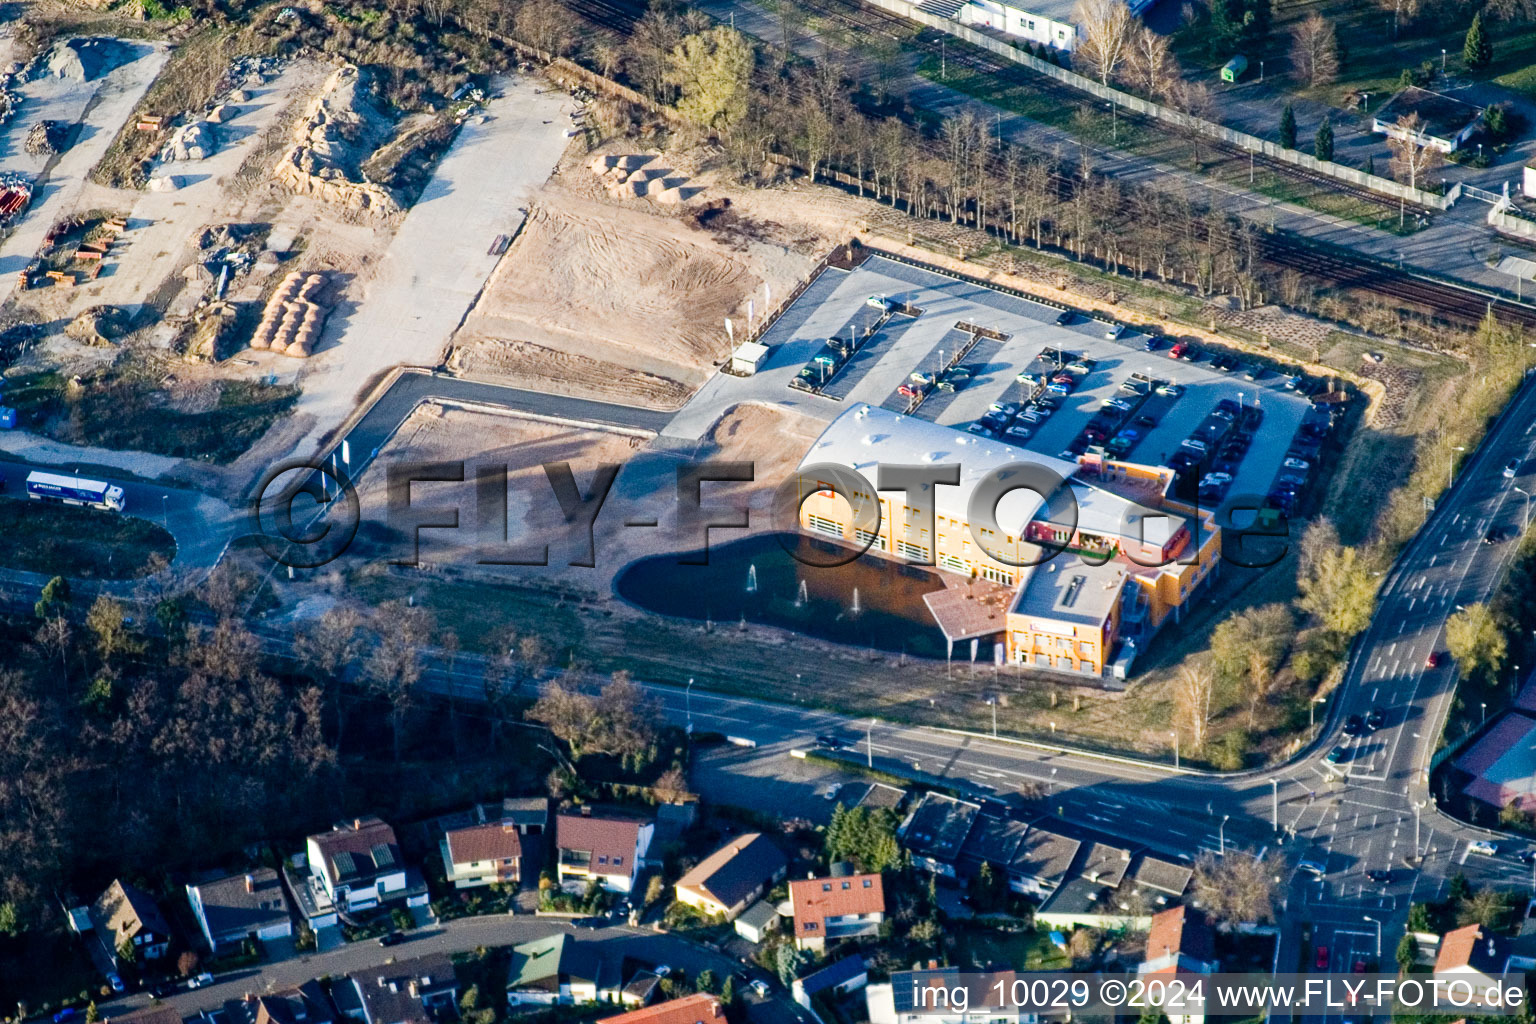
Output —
<point x="661" y="970"/>
<point x="598" y="922"/>
<point x="1178" y="350"/>
<point x="1063" y="378"/>
<point x="1293" y="382"/>
<point x="1065" y="317"/>
<point x="1146" y="421"/>
<point x="1354" y="725"/>
<point x="1114" y="332"/>
<point x="1321" y="961"/>
<point x="1379" y="876"/>
<point x="1036" y="414"/>
<point x="829" y="741"/>
<point x="1170" y="390"/>
<point x="67" y="1014"/>
<point x="1338" y="755"/>
<point x="1006" y="408"/>
<point x="1483" y="847"/>
<point x="908" y="391"/>
<point x="981" y="429"/>
<point x="1079" y="367"/>
<point x="1253" y="371"/>
<point x="1153" y="344"/>
<point x="1195" y="444"/>
<point x="761" y="988"/>
<point x="116" y="981"/>
<point x="1296" y="464"/>
<point x="1121" y="404"/>
<point x="392" y="939"/>
<point x="1375" y="719"/>
<point x="1021" y="432"/>
<point x="1059" y="387"/>
<point x="1512" y="469"/>
<point x="201" y="980"/>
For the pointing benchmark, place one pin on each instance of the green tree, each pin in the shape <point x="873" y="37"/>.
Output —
<point x="1475" y="639"/>
<point x="1407" y="952"/>
<point x="1338" y="584"/>
<point x="655" y="889"/>
<point x="108" y="624"/>
<point x="1322" y="142"/>
<point x="92" y="1014"/>
<point x="728" y="992"/>
<point x="707" y="982"/>
<point x="712" y="71"/>
<point x="1288" y="127"/>
<point x="1477" y="50"/>
<point x="1487" y="907"/>
<point x="1458" y="889"/>
<point x="787" y="962"/>
<point x="1418" y="918"/>
<point x="10" y="919"/>
<point x="988" y="890"/>
<point x="54" y="599"/>
<point x="865" y="836"/>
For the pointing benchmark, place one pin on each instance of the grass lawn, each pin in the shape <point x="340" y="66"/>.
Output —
<point x="1026" y="950"/>
<point x="84" y="543"/>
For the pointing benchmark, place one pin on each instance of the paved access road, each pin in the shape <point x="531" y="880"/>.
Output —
<point x="464" y="935"/>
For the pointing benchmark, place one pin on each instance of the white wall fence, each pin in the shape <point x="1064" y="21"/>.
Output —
<point x="1251" y="143"/>
<point x="1510" y="223"/>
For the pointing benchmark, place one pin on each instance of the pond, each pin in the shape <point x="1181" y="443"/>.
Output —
<point x="870" y="602"/>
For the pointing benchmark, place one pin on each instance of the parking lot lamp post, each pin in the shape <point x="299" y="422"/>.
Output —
<point x="1485" y="712"/>
<point x="993" y="701"/>
<point x="1221" y="834"/>
<point x="688" y="703"/>
<point x="1274" y="802"/>
<point x="1527" y="494"/>
<point x="1442" y="60"/>
<point x="1312" y="710"/>
<point x="1377" y="923"/>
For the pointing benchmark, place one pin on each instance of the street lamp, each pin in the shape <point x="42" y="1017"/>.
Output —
<point x="1221" y="833"/>
<point x="869" y="743"/>
<point x="1377" y="923"/>
<point x="1175" y="734"/>
<point x="1527" y="494"/>
<point x="1053" y="782"/>
<point x="1485" y="712"/>
<point x="1442" y="60"/>
<point x="1312" y="710"/>
<point x="1274" y="802"/>
<point x="1450" y="464"/>
<point x="993" y="701"/>
<point x="688" y="702"/>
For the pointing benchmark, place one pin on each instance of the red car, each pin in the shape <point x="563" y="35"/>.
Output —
<point x="1433" y="661"/>
<point x="1063" y="378"/>
<point x="1322" y="958"/>
<point x="1359" y="967"/>
<point x="1178" y="350"/>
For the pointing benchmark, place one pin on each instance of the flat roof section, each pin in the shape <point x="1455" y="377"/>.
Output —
<point x="1444" y="116"/>
<point x="1067" y="590"/>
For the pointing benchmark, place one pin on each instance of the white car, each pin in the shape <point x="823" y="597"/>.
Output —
<point x="761" y="988"/>
<point x="1170" y="390"/>
<point x="202" y="979"/>
<point x="1483" y="847"/>
<point x="1296" y="464"/>
<point x="1512" y="469"/>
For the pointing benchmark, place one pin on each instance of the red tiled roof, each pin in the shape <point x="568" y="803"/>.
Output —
<point x="1468" y="947"/>
<point x="700" y="1008"/>
<point x="493" y="842"/>
<point x="816" y="899"/>
<point x="1179" y="932"/>
<point x="610" y="840"/>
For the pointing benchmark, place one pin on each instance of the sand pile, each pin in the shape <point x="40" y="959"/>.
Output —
<point x="84" y="60"/>
<point x="641" y="175"/>
<point x="195" y="141"/>
<point x="331" y="141"/>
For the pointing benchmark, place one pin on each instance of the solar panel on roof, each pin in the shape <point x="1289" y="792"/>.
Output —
<point x="346" y="866"/>
<point x="383" y="856"/>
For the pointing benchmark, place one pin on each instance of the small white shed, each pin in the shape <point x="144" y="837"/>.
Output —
<point x="748" y="358"/>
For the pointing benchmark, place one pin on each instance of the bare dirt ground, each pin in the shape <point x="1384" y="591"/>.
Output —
<point x="772" y="440"/>
<point x="626" y="298"/>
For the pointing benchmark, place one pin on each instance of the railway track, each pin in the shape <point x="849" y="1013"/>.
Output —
<point x="1449" y="302"/>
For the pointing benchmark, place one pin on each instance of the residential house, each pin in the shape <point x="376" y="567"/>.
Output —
<point x="757" y="921"/>
<point x="640" y="989"/>
<point x="126" y="917"/>
<point x="249" y="905"/>
<point x="528" y="814"/>
<point x="1034" y="859"/>
<point x="482" y="855"/>
<point x="1161" y="877"/>
<point x="914" y="997"/>
<point x="836" y="979"/>
<point x="934" y="831"/>
<point x="1180" y="941"/>
<point x="836" y="908"/>
<point x="1472" y="954"/>
<point x="404" y="992"/>
<point x="356" y="866"/>
<point x="699" y="1008"/>
<point x="725" y="882"/>
<point x="558" y="969"/>
<point x="606" y="846"/>
<point x="306" y="1004"/>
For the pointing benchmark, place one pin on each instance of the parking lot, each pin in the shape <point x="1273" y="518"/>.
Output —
<point x="1139" y="397"/>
